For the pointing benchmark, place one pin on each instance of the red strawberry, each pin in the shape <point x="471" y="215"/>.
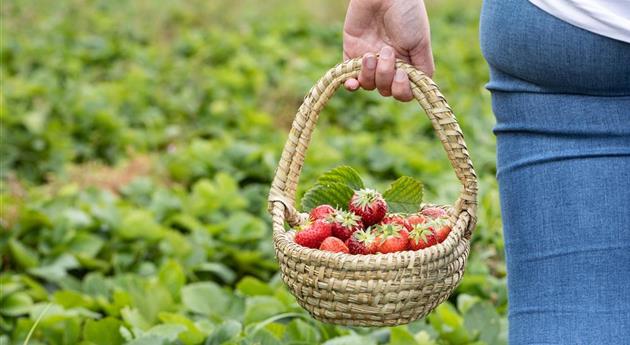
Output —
<point x="392" y="238"/>
<point x="441" y="229"/>
<point x="313" y="236"/>
<point x="344" y="224"/>
<point x="434" y="212"/>
<point x="396" y="219"/>
<point x="362" y="242"/>
<point x="321" y="212"/>
<point x="335" y="245"/>
<point x="369" y="204"/>
<point x="421" y="237"/>
<point x="415" y="219"/>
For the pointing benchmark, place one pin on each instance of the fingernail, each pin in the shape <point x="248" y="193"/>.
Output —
<point x="400" y="75"/>
<point x="352" y="84"/>
<point x="370" y="61"/>
<point x="387" y="52"/>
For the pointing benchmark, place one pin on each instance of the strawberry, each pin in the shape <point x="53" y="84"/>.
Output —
<point x="362" y="242"/>
<point x="313" y="236"/>
<point x="421" y="237"/>
<point x="396" y="219"/>
<point x="440" y="229"/>
<point x="369" y="204"/>
<point x="392" y="238"/>
<point x="415" y="219"/>
<point x="335" y="245"/>
<point x="344" y="224"/>
<point x="321" y="212"/>
<point x="434" y="212"/>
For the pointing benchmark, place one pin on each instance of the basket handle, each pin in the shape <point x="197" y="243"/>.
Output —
<point x="424" y="90"/>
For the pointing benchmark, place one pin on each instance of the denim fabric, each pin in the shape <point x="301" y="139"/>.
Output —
<point x="561" y="97"/>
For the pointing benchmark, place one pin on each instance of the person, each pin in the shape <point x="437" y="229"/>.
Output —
<point x="560" y="86"/>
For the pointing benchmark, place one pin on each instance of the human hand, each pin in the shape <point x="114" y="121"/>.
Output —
<point x="395" y="29"/>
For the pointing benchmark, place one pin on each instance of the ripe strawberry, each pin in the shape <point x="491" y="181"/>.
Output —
<point x="415" y="219"/>
<point x="369" y="204"/>
<point x="396" y="219"/>
<point x="421" y="237"/>
<point x="335" y="245"/>
<point x="362" y="242"/>
<point x="440" y="229"/>
<point x="321" y="212"/>
<point x="434" y="212"/>
<point x="392" y="238"/>
<point x="313" y="236"/>
<point x="344" y="224"/>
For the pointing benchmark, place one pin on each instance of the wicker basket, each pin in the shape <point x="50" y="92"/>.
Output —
<point x="381" y="289"/>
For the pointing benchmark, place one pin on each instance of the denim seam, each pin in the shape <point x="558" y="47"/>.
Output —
<point x="541" y="159"/>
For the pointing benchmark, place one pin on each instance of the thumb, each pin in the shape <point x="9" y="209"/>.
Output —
<point x="422" y="58"/>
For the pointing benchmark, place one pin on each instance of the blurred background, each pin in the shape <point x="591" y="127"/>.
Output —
<point x="138" y="143"/>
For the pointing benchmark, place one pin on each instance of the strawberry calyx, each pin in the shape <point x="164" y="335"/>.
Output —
<point x="346" y="219"/>
<point x="437" y="223"/>
<point x="365" y="198"/>
<point x="364" y="236"/>
<point x="389" y="230"/>
<point x="421" y="232"/>
<point x="304" y="225"/>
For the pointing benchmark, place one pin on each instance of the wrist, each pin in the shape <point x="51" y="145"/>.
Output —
<point x="373" y="3"/>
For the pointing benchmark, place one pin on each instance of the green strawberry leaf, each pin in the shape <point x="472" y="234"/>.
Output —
<point x="16" y="304"/>
<point x="404" y="195"/>
<point x="23" y="255"/>
<point x="335" y="194"/>
<point x="250" y="286"/>
<point x="105" y="331"/>
<point x="483" y="319"/>
<point x="343" y="174"/>
<point x="401" y="336"/>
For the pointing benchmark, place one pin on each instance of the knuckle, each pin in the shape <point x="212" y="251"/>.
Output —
<point x="385" y="66"/>
<point x="366" y="84"/>
<point x="365" y="76"/>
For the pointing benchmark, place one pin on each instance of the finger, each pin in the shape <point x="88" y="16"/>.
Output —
<point x="351" y="84"/>
<point x="368" y="69"/>
<point x="385" y="71"/>
<point x="401" y="90"/>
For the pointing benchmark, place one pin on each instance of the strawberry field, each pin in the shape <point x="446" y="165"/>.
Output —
<point x="138" y="144"/>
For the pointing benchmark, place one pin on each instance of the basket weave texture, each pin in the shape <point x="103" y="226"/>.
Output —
<point x="381" y="289"/>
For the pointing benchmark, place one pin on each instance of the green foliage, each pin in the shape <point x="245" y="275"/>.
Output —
<point x="343" y="174"/>
<point x="404" y="195"/>
<point x="178" y="250"/>
<point x="334" y="187"/>
<point x="103" y="332"/>
<point x="337" y="195"/>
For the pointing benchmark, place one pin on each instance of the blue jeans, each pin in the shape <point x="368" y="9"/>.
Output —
<point x="561" y="97"/>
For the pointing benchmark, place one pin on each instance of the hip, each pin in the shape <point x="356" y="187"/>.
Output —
<point x="529" y="50"/>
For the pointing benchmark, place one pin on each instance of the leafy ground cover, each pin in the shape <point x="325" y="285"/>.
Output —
<point x="138" y="143"/>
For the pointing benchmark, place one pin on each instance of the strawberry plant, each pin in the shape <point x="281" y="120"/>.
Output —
<point x="138" y="143"/>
